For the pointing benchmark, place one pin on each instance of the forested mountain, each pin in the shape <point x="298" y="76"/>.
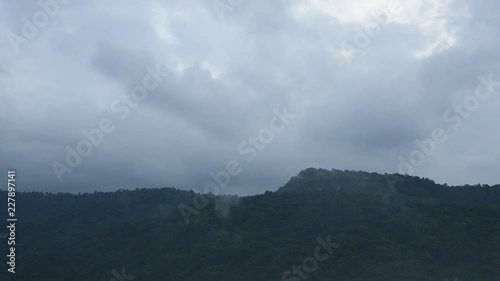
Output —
<point x="321" y="225"/>
<point x="399" y="186"/>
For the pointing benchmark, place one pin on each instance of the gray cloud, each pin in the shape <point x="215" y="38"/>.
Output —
<point x="226" y="77"/>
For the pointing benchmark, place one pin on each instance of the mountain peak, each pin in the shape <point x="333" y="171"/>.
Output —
<point x="404" y="187"/>
<point x="319" y="179"/>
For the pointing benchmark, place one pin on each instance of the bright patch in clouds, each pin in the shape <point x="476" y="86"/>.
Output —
<point x="161" y="23"/>
<point x="431" y="17"/>
<point x="214" y="72"/>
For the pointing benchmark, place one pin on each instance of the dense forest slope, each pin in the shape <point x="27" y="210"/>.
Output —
<point x="394" y="185"/>
<point x="309" y="230"/>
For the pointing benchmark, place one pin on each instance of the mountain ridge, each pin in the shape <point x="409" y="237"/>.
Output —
<point x="386" y="236"/>
<point x="395" y="185"/>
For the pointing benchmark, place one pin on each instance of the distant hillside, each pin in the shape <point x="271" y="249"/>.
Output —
<point x="396" y="185"/>
<point x="308" y="230"/>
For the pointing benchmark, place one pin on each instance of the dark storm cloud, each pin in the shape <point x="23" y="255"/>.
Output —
<point x="225" y="78"/>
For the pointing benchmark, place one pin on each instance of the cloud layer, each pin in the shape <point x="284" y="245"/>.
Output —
<point x="229" y="65"/>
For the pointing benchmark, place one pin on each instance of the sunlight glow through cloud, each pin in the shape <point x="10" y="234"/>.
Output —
<point x="431" y="17"/>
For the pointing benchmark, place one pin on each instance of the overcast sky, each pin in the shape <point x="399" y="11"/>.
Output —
<point x="358" y="91"/>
